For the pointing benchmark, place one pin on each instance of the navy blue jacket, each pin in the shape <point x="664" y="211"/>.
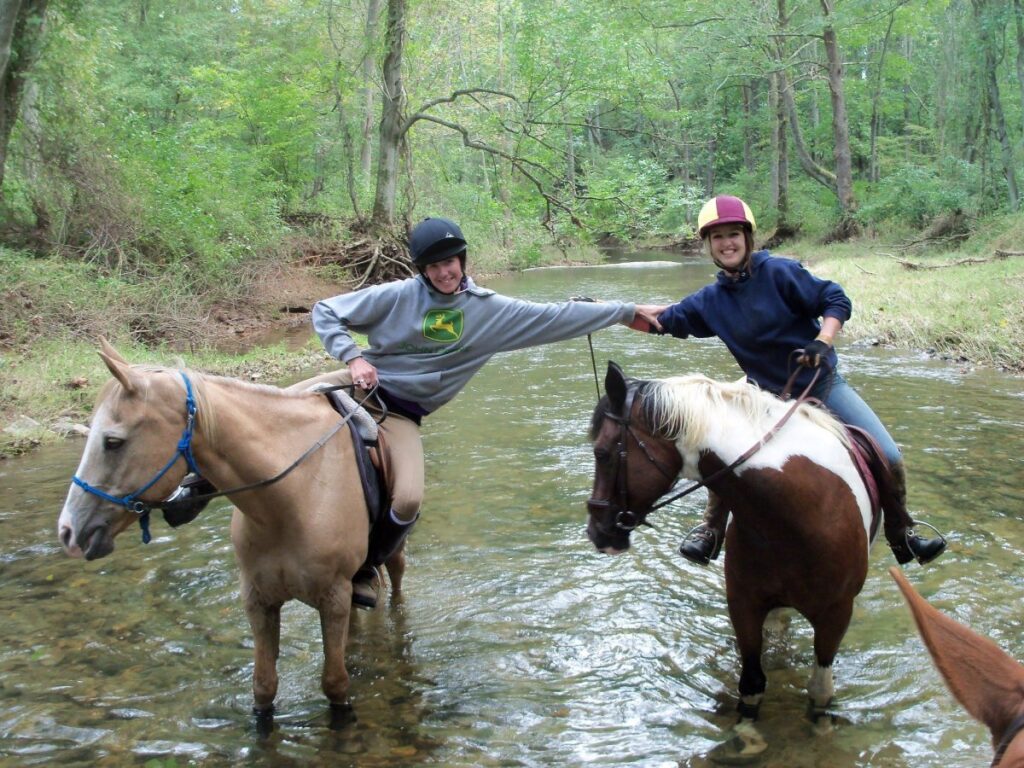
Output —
<point x="762" y="316"/>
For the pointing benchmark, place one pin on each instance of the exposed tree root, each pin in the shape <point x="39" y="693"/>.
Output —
<point x="368" y="259"/>
<point x="782" y="234"/>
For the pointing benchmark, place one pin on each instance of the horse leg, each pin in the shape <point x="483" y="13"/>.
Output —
<point x="396" y="570"/>
<point x="265" y="621"/>
<point x="829" y="628"/>
<point x="748" y="623"/>
<point x="335" y="611"/>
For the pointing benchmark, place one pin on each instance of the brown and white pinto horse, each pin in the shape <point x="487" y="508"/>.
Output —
<point x="801" y="516"/>
<point x="300" y="538"/>
<point x="982" y="677"/>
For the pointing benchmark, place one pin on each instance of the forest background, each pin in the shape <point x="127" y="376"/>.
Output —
<point x="164" y="165"/>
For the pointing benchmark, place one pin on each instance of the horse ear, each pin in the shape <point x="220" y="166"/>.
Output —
<point x="982" y="677"/>
<point x="108" y="350"/>
<point x="119" y="368"/>
<point x="615" y="384"/>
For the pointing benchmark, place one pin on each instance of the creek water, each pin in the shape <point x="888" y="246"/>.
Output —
<point x="516" y="643"/>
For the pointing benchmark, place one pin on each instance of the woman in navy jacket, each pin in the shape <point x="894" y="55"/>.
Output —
<point x="763" y="307"/>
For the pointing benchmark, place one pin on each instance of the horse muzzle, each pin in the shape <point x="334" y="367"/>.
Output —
<point x="604" y="530"/>
<point x="96" y="542"/>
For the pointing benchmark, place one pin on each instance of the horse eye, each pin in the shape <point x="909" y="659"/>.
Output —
<point x="112" y="443"/>
<point x="601" y="455"/>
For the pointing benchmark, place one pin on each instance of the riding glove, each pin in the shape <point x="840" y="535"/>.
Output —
<point x="814" y="353"/>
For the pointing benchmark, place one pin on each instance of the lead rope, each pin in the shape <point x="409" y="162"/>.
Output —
<point x="270" y="480"/>
<point x="593" y="364"/>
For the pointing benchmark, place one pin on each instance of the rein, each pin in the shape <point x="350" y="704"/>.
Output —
<point x="134" y="504"/>
<point x="747" y="454"/>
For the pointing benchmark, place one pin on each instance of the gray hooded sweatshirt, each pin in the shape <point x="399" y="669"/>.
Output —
<point x="427" y="345"/>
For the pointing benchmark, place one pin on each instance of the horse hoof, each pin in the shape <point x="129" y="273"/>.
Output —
<point x="263" y="720"/>
<point x="823" y="723"/>
<point x="342" y="716"/>
<point x="744" y="748"/>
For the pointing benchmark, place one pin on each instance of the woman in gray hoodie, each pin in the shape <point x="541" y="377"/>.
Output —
<point x="426" y="337"/>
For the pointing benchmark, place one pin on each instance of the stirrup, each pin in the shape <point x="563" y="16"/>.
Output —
<point x="936" y="545"/>
<point x="693" y="547"/>
<point x="904" y="551"/>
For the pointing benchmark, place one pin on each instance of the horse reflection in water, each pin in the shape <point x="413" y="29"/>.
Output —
<point x="299" y="538"/>
<point x="982" y="677"/>
<point x="801" y="520"/>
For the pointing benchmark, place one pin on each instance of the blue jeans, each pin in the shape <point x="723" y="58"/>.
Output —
<point x="846" y="405"/>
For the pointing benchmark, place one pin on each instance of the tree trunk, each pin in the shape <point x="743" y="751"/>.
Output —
<point x="995" y="103"/>
<point x="369" y="113"/>
<point x="777" y="132"/>
<point x="748" y="129"/>
<point x="876" y="114"/>
<point x="840" y="128"/>
<point x="821" y="175"/>
<point x="780" y="159"/>
<point x="21" y="31"/>
<point x="391" y="131"/>
<point x="1018" y="15"/>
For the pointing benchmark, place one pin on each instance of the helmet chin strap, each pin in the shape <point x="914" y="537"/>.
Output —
<point x="733" y="272"/>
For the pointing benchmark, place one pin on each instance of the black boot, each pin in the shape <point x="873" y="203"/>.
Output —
<point x="178" y="508"/>
<point x="386" y="538"/>
<point x="904" y="543"/>
<point x="704" y="543"/>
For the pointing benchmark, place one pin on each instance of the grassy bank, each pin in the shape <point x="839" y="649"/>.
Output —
<point x="964" y="305"/>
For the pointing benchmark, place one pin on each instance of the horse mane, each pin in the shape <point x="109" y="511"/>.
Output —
<point x="206" y="416"/>
<point x="685" y="407"/>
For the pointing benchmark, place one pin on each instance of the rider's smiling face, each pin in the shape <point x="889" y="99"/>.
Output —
<point x="446" y="275"/>
<point x="728" y="245"/>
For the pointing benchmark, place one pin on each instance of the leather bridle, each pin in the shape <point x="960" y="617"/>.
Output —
<point x="627" y="519"/>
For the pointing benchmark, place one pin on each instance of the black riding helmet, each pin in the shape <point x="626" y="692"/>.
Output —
<point x="434" y="240"/>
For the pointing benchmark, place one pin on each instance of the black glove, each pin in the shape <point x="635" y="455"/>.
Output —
<point x="814" y="354"/>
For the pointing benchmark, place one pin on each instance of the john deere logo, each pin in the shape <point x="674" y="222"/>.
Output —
<point x="443" y="325"/>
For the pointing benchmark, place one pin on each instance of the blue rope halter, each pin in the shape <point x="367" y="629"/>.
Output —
<point x="131" y="501"/>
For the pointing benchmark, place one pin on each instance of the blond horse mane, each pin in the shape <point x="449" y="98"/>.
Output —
<point x="206" y="416"/>
<point x="683" y="408"/>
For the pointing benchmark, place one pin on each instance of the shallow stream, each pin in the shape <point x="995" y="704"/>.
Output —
<point x="517" y="644"/>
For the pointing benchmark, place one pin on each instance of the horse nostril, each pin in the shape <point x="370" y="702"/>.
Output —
<point x="65" y="536"/>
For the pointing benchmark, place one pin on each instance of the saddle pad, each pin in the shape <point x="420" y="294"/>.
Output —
<point x="343" y="403"/>
<point x="868" y="458"/>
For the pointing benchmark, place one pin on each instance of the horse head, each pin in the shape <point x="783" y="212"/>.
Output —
<point x="633" y="466"/>
<point x="129" y="460"/>
<point x="982" y="677"/>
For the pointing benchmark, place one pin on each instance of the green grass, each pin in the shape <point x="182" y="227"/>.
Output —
<point x="972" y="312"/>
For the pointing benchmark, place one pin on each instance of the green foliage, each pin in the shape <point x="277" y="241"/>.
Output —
<point x="628" y="199"/>
<point x="178" y="137"/>
<point x="914" y="195"/>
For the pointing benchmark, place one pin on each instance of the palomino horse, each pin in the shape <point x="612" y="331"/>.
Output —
<point x="801" y="516"/>
<point x="982" y="677"/>
<point x="299" y="537"/>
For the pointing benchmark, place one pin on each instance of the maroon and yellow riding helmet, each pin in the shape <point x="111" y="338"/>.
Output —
<point x="724" y="209"/>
